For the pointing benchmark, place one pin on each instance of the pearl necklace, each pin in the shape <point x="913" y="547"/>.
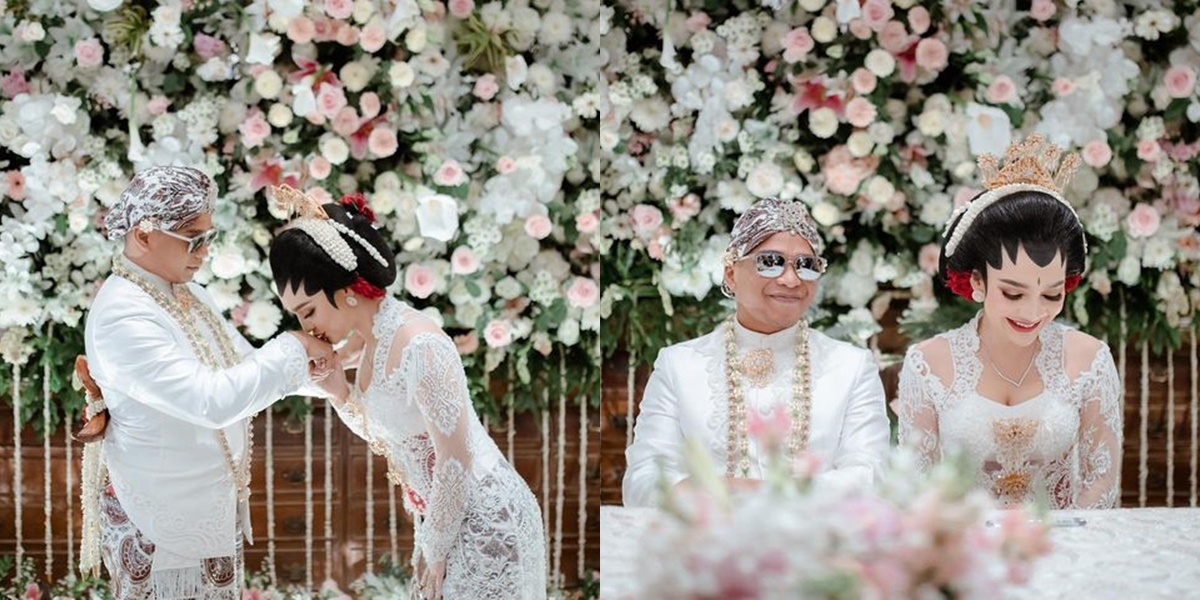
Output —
<point x="181" y="309"/>
<point x="799" y="406"/>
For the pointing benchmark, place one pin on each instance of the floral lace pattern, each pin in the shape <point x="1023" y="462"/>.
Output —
<point x="475" y="511"/>
<point x="1064" y="443"/>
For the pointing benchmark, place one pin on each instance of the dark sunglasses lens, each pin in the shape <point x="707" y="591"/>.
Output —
<point x="770" y="264"/>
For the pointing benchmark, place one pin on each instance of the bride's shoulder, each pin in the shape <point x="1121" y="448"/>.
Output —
<point x="1080" y="351"/>
<point x="935" y="350"/>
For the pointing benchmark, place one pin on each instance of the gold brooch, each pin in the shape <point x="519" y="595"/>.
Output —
<point x="759" y="366"/>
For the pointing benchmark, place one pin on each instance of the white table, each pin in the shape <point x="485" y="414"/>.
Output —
<point x="1131" y="553"/>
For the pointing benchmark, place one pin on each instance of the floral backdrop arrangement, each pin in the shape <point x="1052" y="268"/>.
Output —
<point x="919" y="535"/>
<point x="469" y="127"/>
<point x="873" y="113"/>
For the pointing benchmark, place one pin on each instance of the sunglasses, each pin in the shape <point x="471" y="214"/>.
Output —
<point x="772" y="264"/>
<point x="198" y="242"/>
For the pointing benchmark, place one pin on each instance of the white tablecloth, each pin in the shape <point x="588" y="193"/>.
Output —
<point x="1136" y="553"/>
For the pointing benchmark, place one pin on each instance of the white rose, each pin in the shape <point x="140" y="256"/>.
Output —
<point x="1129" y="270"/>
<point x="824" y="30"/>
<point x="880" y="62"/>
<point x="104" y="5"/>
<point x="727" y="129"/>
<point x="826" y="214"/>
<point x="32" y="32"/>
<point x="515" y="71"/>
<point x="334" y="150"/>
<point x="268" y="84"/>
<point x="262" y="319"/>
<point x="279" y="115"/>
<point x="288" y="8"/>
<point x="416" y="39"/>
<point x="860" y="144"/>
<point x="401" y="74"/>
<point x="880" y="190"/>
<point x="765" y="181"/>
<point x="804" y="161"/>
<point x="568" y="332"/>
<point x="227" y="262"/>
<point x="355" y="76"/>
<point x="931" y="123"/>
<point x="812" y="5"/>
<point x="936" y="210"/>
<point x="989" y="130"/>
<point x="384" y="201"/>
<point x="823" y="122"/>
<point x="437" y="217"/>
<point x="363" y="11"/>
<point x="263" y="49"/>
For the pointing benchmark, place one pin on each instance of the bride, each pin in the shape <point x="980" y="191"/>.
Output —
<point x="1032" y="403"/>
<point x="478" y="528"/>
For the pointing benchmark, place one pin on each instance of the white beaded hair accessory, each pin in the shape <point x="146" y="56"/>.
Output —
<point x="1029" y="166"/>
<point x="327" y="233"/>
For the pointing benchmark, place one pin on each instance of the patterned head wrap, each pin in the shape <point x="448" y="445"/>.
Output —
<point x="161" y="198"/>
<point x="766" y="218"/>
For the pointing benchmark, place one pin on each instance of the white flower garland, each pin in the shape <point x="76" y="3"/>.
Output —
<point x="370" y="510"/>
<point x="18" y="491"/>
<point x="630" y="390"/>
<point x="393" y="532"/>
<point x="546" y="471"/>
<point x="270" y="477"/>
<point x="48" y="498"/>
<point x="558" y="500"/>
<point x="1195" y="415"/>
<point x="328" y="489"/>
<point x="1121" y="369"/>
<point x="70" y="501"/>
<point x="308" y="498"/>
<point x="511" y="433"/>
<point x="1170" y="430"/>
<point x="583" y="463"/>
<point x="1144" y="415"/>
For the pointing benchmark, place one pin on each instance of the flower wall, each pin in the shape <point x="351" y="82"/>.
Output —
<point x="469" y="127"/>
<point x="873" y="113"/>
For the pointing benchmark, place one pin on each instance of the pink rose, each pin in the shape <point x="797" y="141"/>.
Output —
<point x="207" y="46"/>
<point x="158" y="105"/>
<point x="254" y="130"/>
<point x="320" y="194"/>
<point x="1063" y="86"/>
<point x="463" y="261"/>
<point x="1042" y="9"/>
<point x="330" y="100"/>
<point x="1096" y="153"/>
<point x="1143" y="221"/>
<point x="918" y="19"/>
<point x="587" y="223"/>
<point x="927" y="259"/>
<point x="646" y="219"/>
<point x="538" y="227"/>
<point x="1149" y="150"/>
<point x="859" y="29"/>
<point x="14" y="84"/>
<point x="382" y="142"/>
<point x="419" y="280"/>
<point x="461" y="8"/>
<point x="863" y="81"/>
<point x="16" y="184"/>
<point x="796" y="45"/>
<point x="339" y="9"/>
<point x="450" y="174"/>
<point x="876" y="13"/>
<point x="32" y="592"/>
<point x="894" y="38"/>
<point x="583" y="293"/>
<point x="697" y="22"/>
<point x="345" y="123"/>
<point x="466" y="343"/>
<point x="843" y="177"/>
<point x="319" y="167"/>
<point x="89" y="53"/>
<point x="684" y="208"/>
<point x="497" y="333"/>
<point x="932" y="54"/>
<point x="486" y="87"/>
<point x="323" y="29"/>
<point x="506" y="165"/>
<point x="373" y="37"/>
<point x="1002" y="90"/>
<point x="347" y="35"/>
<point x="860" y="112"/>
<point x="1179" y="79"/>
<point x="301" y="30"/>
<point x="370" y="105"/>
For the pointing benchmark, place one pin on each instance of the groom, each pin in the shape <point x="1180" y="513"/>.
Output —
<point x="180" y="386"/>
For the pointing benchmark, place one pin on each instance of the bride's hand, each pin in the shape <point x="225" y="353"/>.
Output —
<point x="332" y="377"/>
<point x="431" y="580"/>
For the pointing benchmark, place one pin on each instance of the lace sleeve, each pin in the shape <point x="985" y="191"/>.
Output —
<point x="437" y="385"/>
<point x="1099" y="439"/>
<point x="915" y="407"/>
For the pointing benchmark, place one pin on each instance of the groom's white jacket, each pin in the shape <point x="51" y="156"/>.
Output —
<point x="686" y="400"/>
<point x="161" y="448"/>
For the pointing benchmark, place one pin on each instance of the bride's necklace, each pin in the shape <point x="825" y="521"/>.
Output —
<point x="1017" y="383"/>
<point x="737" y="450"/>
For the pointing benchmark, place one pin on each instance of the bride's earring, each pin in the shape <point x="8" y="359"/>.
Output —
<point x="351" y="300"/>
<point x="977" y="296"/>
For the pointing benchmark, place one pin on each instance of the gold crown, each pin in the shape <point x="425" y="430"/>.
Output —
<point x="1032" y="162"/>
<point x="297" y="203"/>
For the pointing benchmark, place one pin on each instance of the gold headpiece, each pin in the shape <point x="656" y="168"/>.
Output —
<point x="1032" y="161"/>
<point x="297" y="203"/>
<point x="1029" y="166"/>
